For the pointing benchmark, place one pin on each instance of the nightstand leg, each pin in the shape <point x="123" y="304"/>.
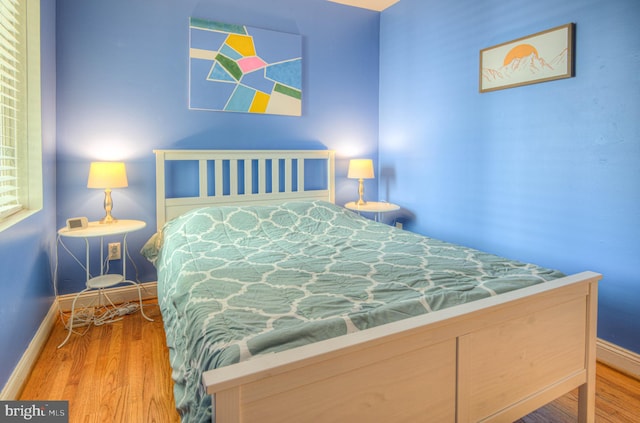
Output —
<point x="137" y="285"/>
<point x="70" y="322"/>
<point x="142" y="308"/>
<point x="86" y="260"/>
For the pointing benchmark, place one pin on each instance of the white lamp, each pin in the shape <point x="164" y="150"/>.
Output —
<point x="360" y="169"/>
<point x="107" y="175"/>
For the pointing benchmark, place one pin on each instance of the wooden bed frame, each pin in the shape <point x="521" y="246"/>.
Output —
<point x="495" y="359"/>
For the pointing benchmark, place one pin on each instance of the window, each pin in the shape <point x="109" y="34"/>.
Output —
<point x="20" y="126"/>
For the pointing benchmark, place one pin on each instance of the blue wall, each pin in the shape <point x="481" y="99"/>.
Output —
<point x="26" y="292"/>
<point x="545" y="173"/>
<point x="122" y="92"/>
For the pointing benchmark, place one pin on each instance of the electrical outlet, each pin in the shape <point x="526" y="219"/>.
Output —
<point x="114" y="251"/>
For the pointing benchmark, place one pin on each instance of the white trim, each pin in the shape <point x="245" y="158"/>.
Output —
<point x="20" y="374"/>
<point x="117" y="295"/>
<point x="619" y="358"/>
<point x="30" y="161"/>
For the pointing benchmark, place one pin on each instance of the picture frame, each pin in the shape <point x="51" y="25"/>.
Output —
<point x="243" y="69"/>
<point x="540" y="57"/>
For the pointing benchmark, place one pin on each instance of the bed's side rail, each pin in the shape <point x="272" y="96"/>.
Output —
<point x="237" y="176"/>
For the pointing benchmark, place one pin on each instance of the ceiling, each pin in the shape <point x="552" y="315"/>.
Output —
<point x="378" y="5"/>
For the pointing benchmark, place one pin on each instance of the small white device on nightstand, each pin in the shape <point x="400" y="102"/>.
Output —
<point x="76" y="223"/>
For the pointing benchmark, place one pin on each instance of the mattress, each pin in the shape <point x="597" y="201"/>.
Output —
<point x="236" y="282"/>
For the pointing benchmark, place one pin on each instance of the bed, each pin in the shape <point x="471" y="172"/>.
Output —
<point x="280" y="306"/>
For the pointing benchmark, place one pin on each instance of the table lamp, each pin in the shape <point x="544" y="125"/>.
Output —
<point x="360" y="169"/>
<point x="107" y="175"/>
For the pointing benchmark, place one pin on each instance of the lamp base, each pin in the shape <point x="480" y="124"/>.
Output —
<point x="108" y="219"/>
<point x="108" y="205"/>
<point x="361" y="201"/>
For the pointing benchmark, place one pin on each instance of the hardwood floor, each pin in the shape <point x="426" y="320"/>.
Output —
<point x="117" y="372"/>
<point x="617" y="401"/>
<point x="120" y="372"/>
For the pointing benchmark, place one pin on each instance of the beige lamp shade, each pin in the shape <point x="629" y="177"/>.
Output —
<point x="107" y="175"/>
<point x="360" y="169"/>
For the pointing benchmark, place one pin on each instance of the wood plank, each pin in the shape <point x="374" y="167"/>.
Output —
<point x="520" y="349"/>
<point x="404" y="387"/>
<point x="617" y="401"/>
<point x="587" y="392"/>
<point x="228" y="408"/>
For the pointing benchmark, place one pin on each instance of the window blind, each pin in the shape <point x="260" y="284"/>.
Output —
<point x="12" y="92"/>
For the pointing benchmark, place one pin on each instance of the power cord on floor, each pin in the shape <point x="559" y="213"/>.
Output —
<point x="92" y="316"/>
<point x="115" y="314"/>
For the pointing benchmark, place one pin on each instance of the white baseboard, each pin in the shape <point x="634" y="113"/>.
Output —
<point x="118" y="295"/>
<point x="619" y="358"/>
<point x="20" y="374"/>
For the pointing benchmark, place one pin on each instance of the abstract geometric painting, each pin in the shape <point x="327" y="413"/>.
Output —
<point x="235" y="68"/>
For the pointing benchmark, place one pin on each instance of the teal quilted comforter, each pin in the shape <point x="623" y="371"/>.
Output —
<point x="234" y="282"/>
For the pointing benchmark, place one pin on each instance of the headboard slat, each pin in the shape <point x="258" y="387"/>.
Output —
<point x="288" y="181"/>
<point x="202" y="172"/>
<point x="262" y="180"/>
<point x="233" y="177"/>
<point x="275" y="175"/>
<point x="248" y="176"/>
<point x="301" y="175"/>
<point x="218" y="175"/>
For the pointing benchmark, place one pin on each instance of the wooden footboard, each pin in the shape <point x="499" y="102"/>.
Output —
<point x="492" y="360"/>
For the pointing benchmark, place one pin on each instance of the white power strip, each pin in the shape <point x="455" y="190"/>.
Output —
<point x="127" y="309"/>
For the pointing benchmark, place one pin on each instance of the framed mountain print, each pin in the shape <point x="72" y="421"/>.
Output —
<point x="540" y="57"/>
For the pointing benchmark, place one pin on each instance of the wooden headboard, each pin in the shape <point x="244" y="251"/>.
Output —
<point x="226" y="177"/>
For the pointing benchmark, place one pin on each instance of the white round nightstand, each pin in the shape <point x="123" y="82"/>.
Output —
<point x="104" y="280"/>
<point x="376" y="207"/>
<point x="95" y="230"/>
<point x="102" y="229"/>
